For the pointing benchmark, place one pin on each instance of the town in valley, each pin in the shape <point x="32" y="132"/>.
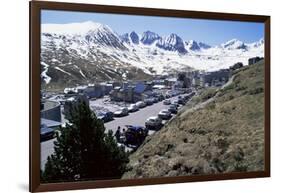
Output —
<point x="131" y="109"/>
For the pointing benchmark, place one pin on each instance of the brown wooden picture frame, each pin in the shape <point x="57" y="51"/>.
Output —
<point x="34" y="99"/>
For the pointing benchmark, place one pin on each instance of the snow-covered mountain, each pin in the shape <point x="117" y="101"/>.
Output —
<point x="234" y="44"/>
<point x="196" y="46"/>
<point x="134" y="37"/>
<point x="172" y="43"/>
<point x="80" y="53"/>
<point x="149" y="37"/>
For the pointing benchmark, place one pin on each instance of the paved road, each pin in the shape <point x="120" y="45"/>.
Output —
<point x="135" y="118"/>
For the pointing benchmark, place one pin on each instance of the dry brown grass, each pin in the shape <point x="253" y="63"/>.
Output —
<point x="226" y="135"/>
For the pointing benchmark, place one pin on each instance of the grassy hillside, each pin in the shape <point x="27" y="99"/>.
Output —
<point x="220" y="131"/>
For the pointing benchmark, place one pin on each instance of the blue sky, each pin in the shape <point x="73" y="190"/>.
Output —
<point x="212" y="32"/>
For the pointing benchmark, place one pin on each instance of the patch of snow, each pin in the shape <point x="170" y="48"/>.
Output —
<point x="44" y="75"/>
<point x="124" y="75"/>
<point x="82" y="73"/>
<point x="54" y="60"/>
<point x="57" y="68"/>
<point x="150" y="58"/>
<point x="70" y="28"/>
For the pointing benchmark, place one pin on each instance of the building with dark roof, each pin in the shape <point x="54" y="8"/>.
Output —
<point x="254" y="60"/>
<point x="50" y="123"/>
<point x="51" y="110"/>
<point x="216" y="78"/>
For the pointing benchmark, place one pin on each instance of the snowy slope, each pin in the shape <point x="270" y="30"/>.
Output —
<point x="87" y="52"/>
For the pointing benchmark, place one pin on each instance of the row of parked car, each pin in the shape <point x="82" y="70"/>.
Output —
<point x="124" y="111"/>
<point x="155" y="122"/>
<point x="133" y="136"/>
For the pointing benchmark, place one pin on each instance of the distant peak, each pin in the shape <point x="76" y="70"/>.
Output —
<point x="191" y="42"/>
<point x="148" y="37"/>
<point x="149" y="32"/>
<point x="232" y="41"/>
<point x="90" y="23"/>
<point x="72" y="28"/>
<point x="172" y="43"/>
<point x="134" y="37"/>
<point x="173" y="35"/>
<point x="203" y="45"/>
<point x="173" y="38"/>
<point x="234" y="44"/>
<point x="192" y="45"/>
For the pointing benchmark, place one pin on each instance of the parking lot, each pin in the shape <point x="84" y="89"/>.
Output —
<point x="137" y="118"/>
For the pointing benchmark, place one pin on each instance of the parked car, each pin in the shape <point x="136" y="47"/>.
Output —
<point x="46" y="133"/>
<point x="174" y="93"/>
<point x="181" y="91"/>
<point x="153" y="123"/>
<point x="160" y="97"/>
<point x="135" y="135"/>
<point x="167" y="102"/>
<point x="155" y="100"/>
<point x="105" y="116"/>
<point x="121" y="112"/>
<point x="168" y="96"/>
<point x="140" y="104"/>
<point x="133" y="108"/>
<point x="176" y="102"/>
<point x="165" y="114"/>
<point x="189" y="96"/>
<point x="148" y="102"/>
<point x="181" y="101"/>
<point x="173" y="109"/>
<point x="186" y="97"/>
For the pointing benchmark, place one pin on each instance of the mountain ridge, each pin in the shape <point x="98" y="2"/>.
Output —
<point x="83" y="49"/>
